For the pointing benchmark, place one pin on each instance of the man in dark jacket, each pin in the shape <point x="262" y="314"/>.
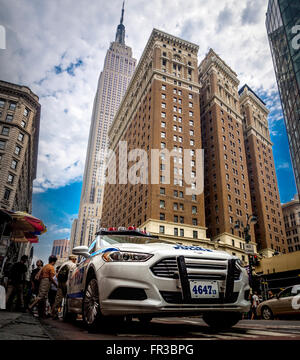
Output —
<point x="16" y="282"/>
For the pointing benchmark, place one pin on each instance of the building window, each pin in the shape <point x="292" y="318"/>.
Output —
<point x="182" y="232"/>
<point x="12" y="106"/>
<point x="7" y="194"/>
<point x="175" y="218"/>
<point x="2" y="103"/>
<point x="17" y="150"/>
<point x="161" y="229"/>
<point x="10" y="179"/>
<point x="162" y="204"/>
<point x="2" y="145"/>
<point x="5" y="130"/>
<point x="21" y="137"/>
<point x="195" y="222"/>
<point x="23" y="124"/>
<point x="14" y="164"/>
<point x="195" y="234"/>
<point x="194" y="209"/>
<point x="9" y="118"/>
<point x="162" y="191"/>
<point x="26" y="112"/>
<point x="175" y="231"/>
<point x="181" y="219"/>
<point x="162" y="216"/>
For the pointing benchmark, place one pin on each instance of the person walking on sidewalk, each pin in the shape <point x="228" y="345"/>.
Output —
<point x="62" y="278"/>
<point x="36" y="283"/>
<point x="16" y="282"/>
<point x="53" y="289"/>
<point x="46" y="278"/>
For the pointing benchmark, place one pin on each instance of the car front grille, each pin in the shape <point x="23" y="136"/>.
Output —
<point x="197" y="268"/>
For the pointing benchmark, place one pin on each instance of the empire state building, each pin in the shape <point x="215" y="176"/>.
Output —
<point x="118" y="69"/>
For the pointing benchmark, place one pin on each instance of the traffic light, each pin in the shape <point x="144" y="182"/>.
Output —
<point x="255" y="260"/>
<point x="251" y="262"/>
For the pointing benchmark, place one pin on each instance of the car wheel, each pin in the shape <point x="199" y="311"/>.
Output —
<point x="91" y="313"/>
<point x="221" y="320"/>
<point x="266" y="313"/>
<point x="67" y="316"/>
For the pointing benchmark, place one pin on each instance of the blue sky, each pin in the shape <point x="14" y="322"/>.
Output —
<point x="57" y="48"/>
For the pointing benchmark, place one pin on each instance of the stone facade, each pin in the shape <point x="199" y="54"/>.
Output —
<point x="291" y="214"/>
<point x="19" y="135"/>
<point x="269" y="230"/>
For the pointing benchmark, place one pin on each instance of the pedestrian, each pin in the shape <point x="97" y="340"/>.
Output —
<point x="270" y="294"/>
<point x="53" y="289"/>
<point x="16" y="280"/>
<point x="2" y="296"/>
<point x="254" y="304"/>
<point x="62" y="278"/>
<point x="46" y="276"/>
<point x="35" y="283"/>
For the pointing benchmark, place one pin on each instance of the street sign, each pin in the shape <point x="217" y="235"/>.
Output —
<point x="249" y="249"/>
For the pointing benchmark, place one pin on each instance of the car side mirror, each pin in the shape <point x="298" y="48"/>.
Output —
<point x="81" y="250"/>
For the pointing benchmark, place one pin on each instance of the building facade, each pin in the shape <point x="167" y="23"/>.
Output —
<point x="19" y="136"/>
<point x="159" y="114"/>
<point x="283" y="26"/>
<point x="226" y="185"/>
<point x="61" y="249"/>
<point x="118" y="68"/>
<point x="291" y="213"/>
<point x="269" y="229"/>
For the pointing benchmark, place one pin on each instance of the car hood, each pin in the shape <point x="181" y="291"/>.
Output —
<point x="172" y="250"/>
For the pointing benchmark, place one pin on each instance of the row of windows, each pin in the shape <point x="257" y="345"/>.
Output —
<point x="12" y="106"/>
<point x="176" y="233"/>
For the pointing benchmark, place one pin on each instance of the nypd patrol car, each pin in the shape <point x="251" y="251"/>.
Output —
<point x="128" y="272"/>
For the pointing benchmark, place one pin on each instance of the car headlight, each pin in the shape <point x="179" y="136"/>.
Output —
<point x="122" y="256"/>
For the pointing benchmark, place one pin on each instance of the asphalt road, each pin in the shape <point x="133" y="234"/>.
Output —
<point x="188" y="328"/>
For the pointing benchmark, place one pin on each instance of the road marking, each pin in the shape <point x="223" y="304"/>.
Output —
<point x="239" y="335"/>
<point x="268" y="333"/>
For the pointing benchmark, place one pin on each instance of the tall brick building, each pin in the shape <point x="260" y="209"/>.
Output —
<point x="161" y="111"/>
<point x="227" y="194"/>
<point x="269" y="230"/>
<point x="19" y="135"/>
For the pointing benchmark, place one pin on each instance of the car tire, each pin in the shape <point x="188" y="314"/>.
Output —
<point x="68" y="316"/>
<point x="221" y="320"/>
<point x="91" y="313"/>
<point x="266" y="313"/>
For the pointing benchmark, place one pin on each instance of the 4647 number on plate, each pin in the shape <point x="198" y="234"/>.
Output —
<point x="204" y="289"/>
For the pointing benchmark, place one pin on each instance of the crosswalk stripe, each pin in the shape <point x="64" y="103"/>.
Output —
<point x="267" y="333"/>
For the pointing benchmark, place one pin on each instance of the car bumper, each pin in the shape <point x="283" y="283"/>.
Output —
<point x="133" y="289"/>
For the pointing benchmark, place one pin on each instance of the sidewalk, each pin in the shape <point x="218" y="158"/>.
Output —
<point x="21" y="326"/>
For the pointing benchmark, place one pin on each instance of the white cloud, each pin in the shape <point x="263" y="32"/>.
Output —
<point x="44" y="34"/>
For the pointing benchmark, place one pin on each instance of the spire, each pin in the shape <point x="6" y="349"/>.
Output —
<point x="121" y="21"/>
<point x="120" y="35"/>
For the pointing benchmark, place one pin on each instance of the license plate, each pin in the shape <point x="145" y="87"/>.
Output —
<point x="204" y="289"/>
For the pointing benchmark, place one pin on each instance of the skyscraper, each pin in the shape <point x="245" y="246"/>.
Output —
<point x="269" y="230"/>
<point x="226" y="185"/>
<point x="113" y="81"/>
<point x="283" y="26"/>
<point x="160" y="112"/>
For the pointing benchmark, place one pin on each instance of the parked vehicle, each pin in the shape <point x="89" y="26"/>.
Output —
<point x="127" y="272"/>
<point x="286" y="303"/>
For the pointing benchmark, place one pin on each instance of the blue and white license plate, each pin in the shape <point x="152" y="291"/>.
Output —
<point x="204" y="289"/>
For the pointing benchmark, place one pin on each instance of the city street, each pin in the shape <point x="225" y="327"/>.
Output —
<point x="191" y="328"/>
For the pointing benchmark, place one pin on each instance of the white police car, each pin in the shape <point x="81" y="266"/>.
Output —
<point x="127" y="272"/>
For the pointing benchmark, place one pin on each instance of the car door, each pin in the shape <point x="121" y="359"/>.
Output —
<point x="295" y="308"/>
<point x="283" y="304"/>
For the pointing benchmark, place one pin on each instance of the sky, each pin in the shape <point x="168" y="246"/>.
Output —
<point x="57" y="48"/>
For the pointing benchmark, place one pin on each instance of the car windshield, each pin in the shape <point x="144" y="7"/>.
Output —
<point x="119" y="239"/>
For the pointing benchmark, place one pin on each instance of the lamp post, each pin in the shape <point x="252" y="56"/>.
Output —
<point x="251" y="219"/>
